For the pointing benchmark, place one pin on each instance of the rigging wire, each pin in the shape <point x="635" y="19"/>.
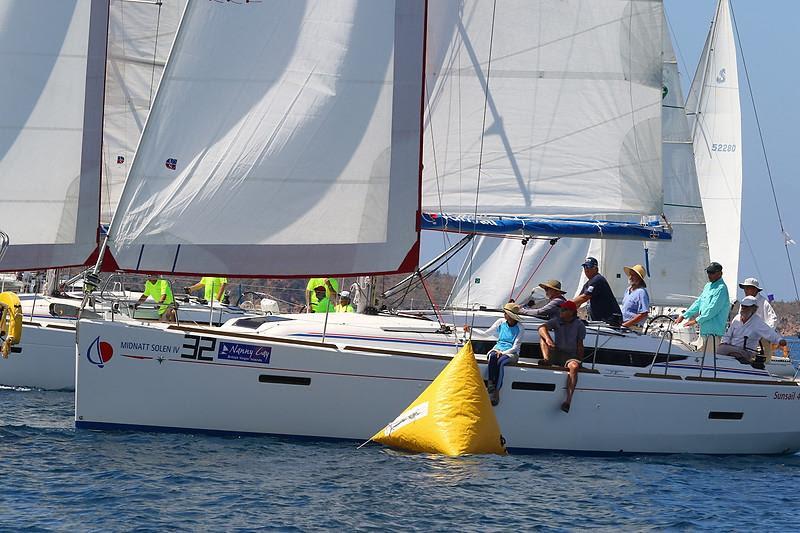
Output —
<point x="541" y="261"/>
<point x="155" y="56"/>
<point x="519" y="266"/>
<point x="784" y="234"/>
<point x="480" y="152"/>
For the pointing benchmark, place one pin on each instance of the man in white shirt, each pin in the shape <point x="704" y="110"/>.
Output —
<point x="751" y="287"/>
<point x="746" y="331"/>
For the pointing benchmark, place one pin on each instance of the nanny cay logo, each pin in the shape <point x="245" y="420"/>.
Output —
<point x="99" y="352"/>
<point x="235" y="351"/>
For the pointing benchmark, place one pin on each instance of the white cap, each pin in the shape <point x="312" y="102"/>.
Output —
<point x="748" y="301"/>
<point x="345" y="294"/>
<point x="750" y="282"/>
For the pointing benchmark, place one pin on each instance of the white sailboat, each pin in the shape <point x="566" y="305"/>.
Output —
<point x="342" y="375"/>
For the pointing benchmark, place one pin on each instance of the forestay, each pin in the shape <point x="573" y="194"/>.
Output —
<point x="713" y="105"/>
<point x="571" y="92"/>
<point x="284" y="140"/>
<point x="140" y="35"/>
<point x="52" y="56"/>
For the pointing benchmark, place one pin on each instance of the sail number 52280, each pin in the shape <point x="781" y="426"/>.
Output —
<point x="715" y="147"/>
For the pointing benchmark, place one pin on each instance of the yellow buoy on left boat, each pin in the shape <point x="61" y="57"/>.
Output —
<point x="453" y="416"/>
<point x="10" y="321"/>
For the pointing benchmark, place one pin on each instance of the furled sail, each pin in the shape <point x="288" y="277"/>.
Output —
<point x="52" y="56"/>
<point x="140" y="35"/>
<point x="556" y="103"/>
<point x="284" y="140"/>
<point x="716" y="121"/>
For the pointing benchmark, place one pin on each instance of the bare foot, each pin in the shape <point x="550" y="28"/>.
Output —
<point x="565" y="407"/>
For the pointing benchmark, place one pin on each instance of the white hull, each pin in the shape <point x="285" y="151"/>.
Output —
<point x="45" y="358"/>
<point x="158" y="379"/>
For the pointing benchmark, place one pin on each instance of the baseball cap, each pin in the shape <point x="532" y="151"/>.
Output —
<point x="590" y="262"/>
<point x="713" y="267"/>
<point x="569" y="304"/>
<point x="345" y="294"/>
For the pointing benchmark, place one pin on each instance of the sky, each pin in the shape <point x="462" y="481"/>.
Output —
<point x="767" y="30"/>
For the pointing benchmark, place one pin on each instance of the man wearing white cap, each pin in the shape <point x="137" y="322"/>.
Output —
<point x="751" y="287"/>
<point x="344" y="303"/>
<point x="746" y="331"/>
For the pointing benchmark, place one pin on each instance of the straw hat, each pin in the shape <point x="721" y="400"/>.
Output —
<point x="636" y="269"/>
<point x="512" y="310"/>
<point x="552" y="284"/>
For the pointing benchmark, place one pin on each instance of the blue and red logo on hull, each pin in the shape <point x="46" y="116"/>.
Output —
<point x="99" y="353"/>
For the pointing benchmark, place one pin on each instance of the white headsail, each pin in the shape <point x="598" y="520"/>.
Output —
<point x="284" y="140"/>
<point x="715" y="113"/>
<point x="572" y="98"/>
<point x="140" y="35"/>
<point x="52" y="56"/>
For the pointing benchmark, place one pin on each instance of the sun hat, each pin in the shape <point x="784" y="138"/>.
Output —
<point x="750" y="282"/>
<point x="636" y="269"/>
<point x="552" y="284"/>
<point x="513" y="310"/>
<point x="713" y="267"/>
<point x="590" y="262"/>
<point x="345" y="294"/>
<point x="749" y="301"/>
<point x="569" y="304"/>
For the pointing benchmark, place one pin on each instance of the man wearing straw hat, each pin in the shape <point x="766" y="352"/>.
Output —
<point x="505" y="350"/>
<point x="555" y="297"/>
<point x="751" y="287"/>
<point x="636" y="301"/>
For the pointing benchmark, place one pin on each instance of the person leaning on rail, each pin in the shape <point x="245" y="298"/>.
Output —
<point x="160" y="291"/>
<point x="711" y="308"/>
<point x="555" y="297"/>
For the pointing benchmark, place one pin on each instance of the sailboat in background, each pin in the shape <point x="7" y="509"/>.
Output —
<point x="325" y="120"/>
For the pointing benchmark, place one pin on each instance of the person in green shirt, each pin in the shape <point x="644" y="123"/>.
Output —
<point x="711" y="308"/>
<point x="159" y="290"/>
<point x="344" y="303"/>
<point x="323" y="296"/>
<point x="313" y="283"/>
<point x="213" y="288"/>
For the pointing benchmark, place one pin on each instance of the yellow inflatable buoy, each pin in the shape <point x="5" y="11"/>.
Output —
<point x="10" y="321"/>
<point x="453" y="416"/>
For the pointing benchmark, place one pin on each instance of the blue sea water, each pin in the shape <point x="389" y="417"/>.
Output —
<point x="55" y="477"/>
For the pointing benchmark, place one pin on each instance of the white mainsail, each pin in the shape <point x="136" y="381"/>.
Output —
<point x="715" y="117"/>
<point x="52" y="56"/>
<point x="572" y="94"/>
<point x="305" y="126"/>
<point x="140" y="35"/>
<point x="675" y="267"/>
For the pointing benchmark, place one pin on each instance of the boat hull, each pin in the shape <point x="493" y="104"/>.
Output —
<point x="45" y="358"/>
<point x="182" y="379"/>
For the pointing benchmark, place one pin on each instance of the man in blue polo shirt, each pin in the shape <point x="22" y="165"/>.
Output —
<point x="602" y="303"/>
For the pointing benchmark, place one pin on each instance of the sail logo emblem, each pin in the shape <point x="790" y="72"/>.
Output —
<point x="120" y="159"/>
<point x="99" y="352"/>
<point x="722" y="76"/>
<point x="171" y="163"/>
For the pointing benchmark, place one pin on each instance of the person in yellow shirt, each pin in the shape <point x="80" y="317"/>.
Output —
<point x="213" y="288"/>
<point x="313" y="283"/>
<point x="344" y="303"/>
<point x="323" y="294"/>
<point x="159" y="290"/>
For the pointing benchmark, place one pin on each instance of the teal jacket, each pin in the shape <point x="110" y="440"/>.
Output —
<point x="713" y="307"/>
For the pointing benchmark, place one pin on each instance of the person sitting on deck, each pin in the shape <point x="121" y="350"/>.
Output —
<point x="602" y="303"/>
<point x="567" y="349"/>
<point x="160" y="291"/>
<point x="555" y="296"/>
<point x="344" y="303"/>
<point x="505" y="350"/>
<point x="213" y="288"/>
<point x="322" y="297"/>
<point x="746" y="331"/>
<point x="636" y="301"/>
<point x="311" y="295"/>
